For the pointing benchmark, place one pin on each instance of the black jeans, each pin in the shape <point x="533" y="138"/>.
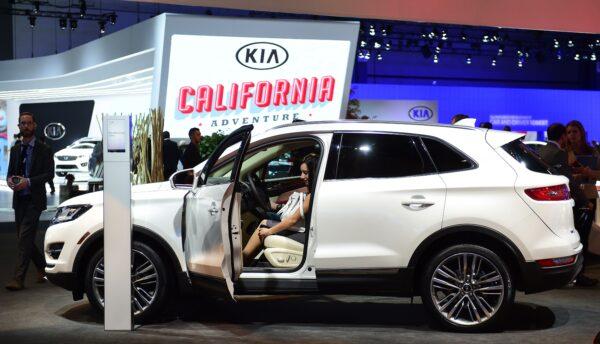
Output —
<point x="27" y="219"/>
<point x="583" y="225"/>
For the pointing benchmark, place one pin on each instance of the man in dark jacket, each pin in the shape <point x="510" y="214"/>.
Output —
<point x="30" y="167"/>
<point x="191" y="156"/>
<point x="553" y="154"/>
<point x="171" y="155"/>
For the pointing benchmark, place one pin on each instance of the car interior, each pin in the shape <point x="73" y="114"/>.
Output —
<point x="269" y="175"/>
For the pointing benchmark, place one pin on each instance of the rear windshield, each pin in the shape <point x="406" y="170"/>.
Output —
<point x="526" y="156"/>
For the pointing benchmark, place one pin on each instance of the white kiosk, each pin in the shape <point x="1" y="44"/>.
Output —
<point x="117" y="224"/>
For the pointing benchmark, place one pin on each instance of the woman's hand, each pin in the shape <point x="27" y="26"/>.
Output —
<point x="263" y="233"/>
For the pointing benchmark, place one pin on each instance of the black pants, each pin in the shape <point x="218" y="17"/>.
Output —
<point x="27" y="218"/>
<point x="583" y="225"/>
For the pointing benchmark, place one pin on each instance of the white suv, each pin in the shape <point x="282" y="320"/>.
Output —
<point x="74" y="158"/>
<point x="461" y="216"/>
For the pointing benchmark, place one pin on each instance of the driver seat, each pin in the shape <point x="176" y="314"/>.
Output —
<point x="283" y="252"/>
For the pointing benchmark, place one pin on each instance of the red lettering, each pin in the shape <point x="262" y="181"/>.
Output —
<point x="312" y="91"/>
<point x="233" y="96"/>
<point x="204" y="99"/>
<point x="326" y="91"/>
<point x="184" y="92"/>
<point x="299" y="91"/>
<point x="282" y="88"/>
<point x="263" y="94"/>
<point x="219" y="99"/>
<point x="246" y="94"/>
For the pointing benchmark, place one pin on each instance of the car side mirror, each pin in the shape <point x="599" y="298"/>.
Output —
<point x="182" y="179"/>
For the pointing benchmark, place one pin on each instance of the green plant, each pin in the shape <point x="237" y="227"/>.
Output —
<point x="209" y="143"/>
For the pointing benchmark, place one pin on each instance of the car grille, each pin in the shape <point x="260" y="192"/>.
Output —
<point x="66" y="157"/>
<point x="67" y="167"/>
<point x="55" y="249"/>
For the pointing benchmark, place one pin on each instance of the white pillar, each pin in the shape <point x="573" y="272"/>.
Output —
<point x="117" y="224"/>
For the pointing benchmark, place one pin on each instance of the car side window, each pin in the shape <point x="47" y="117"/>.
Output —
<point x="445" y="158"/>
<point x="380" y="156"/>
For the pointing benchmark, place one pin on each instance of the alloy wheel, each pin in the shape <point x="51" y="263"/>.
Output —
<point x="467" y="289"/>
<point x="144" y="282"/>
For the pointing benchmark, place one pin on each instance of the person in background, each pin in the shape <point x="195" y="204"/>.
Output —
<point x="191" y="156"/>
<point x="507" y="128"/>
<point x="30" y="167"/>
<point x="171" y="155"/>
<point x="42" y="139"/>
<point x="578" y="148"/>
<point x="457" y="118"/>
<point x="486" y="125"/>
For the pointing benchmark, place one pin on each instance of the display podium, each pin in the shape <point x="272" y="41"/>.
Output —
<point x="117" y="224"/>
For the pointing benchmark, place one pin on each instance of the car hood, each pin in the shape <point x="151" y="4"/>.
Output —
<point x="96" y="198"/>
<point x="75" y="152"/>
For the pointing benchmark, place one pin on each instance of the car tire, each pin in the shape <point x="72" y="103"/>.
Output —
<point x="471" y="297"/>
<point x="150" y="289"/>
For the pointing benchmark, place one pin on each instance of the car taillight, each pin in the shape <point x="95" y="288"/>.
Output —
<point x="549" y="193"/>
<point x="556" y="262"/>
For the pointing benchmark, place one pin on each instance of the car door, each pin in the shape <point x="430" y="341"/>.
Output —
<point x="211" y="231"/>
<point x="380" y="197"/>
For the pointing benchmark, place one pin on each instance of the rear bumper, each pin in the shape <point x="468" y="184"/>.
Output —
<point x="535" y="279"/>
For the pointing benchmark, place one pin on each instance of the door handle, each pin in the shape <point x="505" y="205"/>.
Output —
<point x="213" y="211"/>
<point x="418" y="204"/>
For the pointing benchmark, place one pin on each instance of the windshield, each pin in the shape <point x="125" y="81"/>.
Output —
<point x="526" y="156"/>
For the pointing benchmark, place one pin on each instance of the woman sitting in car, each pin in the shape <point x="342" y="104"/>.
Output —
<point x="290" y="223"/>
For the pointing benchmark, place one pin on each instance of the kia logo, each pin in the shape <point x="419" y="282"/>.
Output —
<point x="262" y="55"/>
<point x="420" y="113"/>
<point x="55" y="131"/>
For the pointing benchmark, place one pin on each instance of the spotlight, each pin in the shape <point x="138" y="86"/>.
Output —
<point x="493" y="62"/>
<point x="376" y="45"/>
<point x="463" y="36"/>
<point x="423" y="33"/>
<point x="577" y="57"/>
<point x="361" y="55"/>
<point x="82" y="8"/>
<point x="444" y="35"/>
<point x="433" y="34"/>
<point x="363" y="44"/>
<point x="468" y="60"/>
<point x="520" y="62"/>
<point x="32" y="20"/>
<point x="486" y="38"/>
<point x="593" y="57"/>
<point x="73" y="23"/>
<point x="500" y="50"/>
<point x="438" y="49"/>
<point x="556" y="44"/>
<point x="36" y="7"/>
<point x="102" y="26"/>
<point x="388" y="46"/>
<point x="384" y="31"/>
<point x="559" y="55"/>
<point x="570" y="44"/>
<point x="62" y="22"/>
<point x="379" y="57"/>
<point x="371" y="30"/>
<point x="112" y="18"/>
<point x="368" y="55"/>
<point x="436" y="58"/>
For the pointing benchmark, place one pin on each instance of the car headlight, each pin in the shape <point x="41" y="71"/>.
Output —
<point x="69" y="213"/>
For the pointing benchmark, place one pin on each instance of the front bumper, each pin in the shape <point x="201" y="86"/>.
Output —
<point x="535" y="279"/>
<point x="62" y="279"/>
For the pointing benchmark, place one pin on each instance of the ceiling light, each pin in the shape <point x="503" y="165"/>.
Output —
<point x="112" y="18"/>
<point x="371" y="30"/>
<point x="463" y="36"/>
<point x="376" y="45"/>
<point x="577" y="57"/>
<point x="468" y="60"/>
<point x="570" y="44"/>
<point x="102" y="26"/>
<point x="32" y="20"/>
<point x="36" y="7"/>
<point x="593" y="57"/>
<point x="62" y="23"/>
<point x="363" y="44"/>
<point x="556" y="44"/>
<point x="73" y="23"/>
<point x="436" y="58"/>
<point x="82" y="8"/>
<point x="493" y="62"/>
<point x="388" y="46"/>
<point x="500" y="50"/>
<point x="379" y="57"/>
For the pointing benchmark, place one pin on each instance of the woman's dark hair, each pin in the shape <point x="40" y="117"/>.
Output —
<point x="311" y="161"/>
<point x="585" y="147"/>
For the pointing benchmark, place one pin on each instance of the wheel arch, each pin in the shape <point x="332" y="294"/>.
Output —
<point x="139" y="233"/>
<point x="469" y="234"/>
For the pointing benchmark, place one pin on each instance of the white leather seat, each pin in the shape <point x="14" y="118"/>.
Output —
<point x="283" y="252"/>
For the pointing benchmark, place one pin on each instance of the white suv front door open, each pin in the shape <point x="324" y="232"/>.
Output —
<point x="211" y="233"/>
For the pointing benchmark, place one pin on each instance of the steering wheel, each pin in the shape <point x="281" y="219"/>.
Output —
<point x="258" y="192"/>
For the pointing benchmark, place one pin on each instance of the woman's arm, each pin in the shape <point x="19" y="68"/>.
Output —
<point x="287" y="222"/>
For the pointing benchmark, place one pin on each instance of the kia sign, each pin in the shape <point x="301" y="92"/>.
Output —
<point x="220" y="83"/>
<point x="425" y="111"/>
<point x="262" y="55"/>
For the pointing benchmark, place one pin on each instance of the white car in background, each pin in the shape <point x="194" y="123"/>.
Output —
<point x="463" y="217"/>
<point x="74" y="159"/>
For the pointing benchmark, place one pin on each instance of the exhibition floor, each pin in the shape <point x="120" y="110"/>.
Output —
<point x="43" y="313"/>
